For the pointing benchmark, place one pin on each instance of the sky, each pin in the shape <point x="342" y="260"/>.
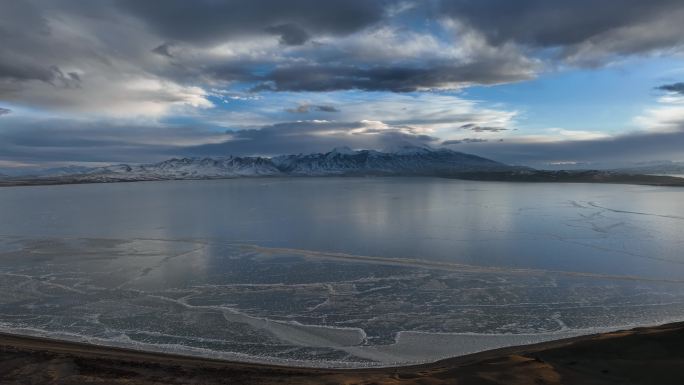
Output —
<point x="543" y="83"/>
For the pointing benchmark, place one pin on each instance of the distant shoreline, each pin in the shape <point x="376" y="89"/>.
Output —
<point x="647" y="355"/>
<point x="538" y="176"/>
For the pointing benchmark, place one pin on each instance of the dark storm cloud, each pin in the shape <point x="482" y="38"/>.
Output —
<point x="554" y="22"/>
<point x="51" y="75"/>
<point x="16" y="71"/>
<point x="546" y="23"/>
<point x="33" y="46"/>
<point x="390" y="78"/>
<point x="618" y="26"/>
<point x="210" y="21"/>
<point x="477" y="128"/>
<point x="164" y="50"/>
<point x="306" y="108"/>
<point x="675" y="87"/>
<point x="307" y="137"/>
<point x="21" y="22"/>
<point x="585" y="31"/>
<point x="24" y="34"/>
<point x="326" y="109"/>
<point x="290" y="34"/>
<point x="36" y="52"/>
<point x="4" y="111"/>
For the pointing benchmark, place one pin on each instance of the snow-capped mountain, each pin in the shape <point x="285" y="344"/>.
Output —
<point x="404" y="160"/>
<point x="186" y="168"/>
<point x="53" y="171"/>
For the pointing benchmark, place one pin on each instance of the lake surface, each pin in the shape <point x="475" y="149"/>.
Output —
<point x="337" y="271"/>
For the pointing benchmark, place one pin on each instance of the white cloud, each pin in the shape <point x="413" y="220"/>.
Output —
<point x="437" y="114"/>
<point x="668" y="116"/>
<point x="119" y="97"/>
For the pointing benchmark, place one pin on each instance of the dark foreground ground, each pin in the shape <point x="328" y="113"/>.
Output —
<point x="536" y="176"/>
<point x="652" y="355"/>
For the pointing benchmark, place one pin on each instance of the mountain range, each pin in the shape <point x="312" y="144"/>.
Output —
<point x="342" y="161"/>
<point x="655" y="168"/>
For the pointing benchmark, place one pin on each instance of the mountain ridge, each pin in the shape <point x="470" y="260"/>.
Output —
<point x="407" y="160"/>
<point x="341" y="161"/>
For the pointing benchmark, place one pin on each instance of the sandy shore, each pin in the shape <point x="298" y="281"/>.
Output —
<point x="653" y="355"/>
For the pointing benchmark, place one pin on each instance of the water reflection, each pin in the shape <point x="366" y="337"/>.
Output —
<point x="552" y="226"/>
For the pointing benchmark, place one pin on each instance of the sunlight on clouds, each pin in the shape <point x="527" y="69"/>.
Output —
<point x="164" y="96"/>
<point x="443" y="115"/>
<point x="128" y="98"/>
<point x="668" y="116"/>
<point x="251" y="48"/>
<point x="559" y="134"/>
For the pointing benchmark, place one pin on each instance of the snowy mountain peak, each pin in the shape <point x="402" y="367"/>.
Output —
<point x="402" y="160"/>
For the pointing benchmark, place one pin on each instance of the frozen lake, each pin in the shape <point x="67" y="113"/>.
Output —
<point x="337" y="271"/>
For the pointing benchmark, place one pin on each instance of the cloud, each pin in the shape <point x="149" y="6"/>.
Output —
<point x="163" y="50"/>
<point x="440" y="114"/>
<point x="465" y="140"/>
<point x="290" y="34"/>
<point x="675" y="87"/>
<point x="307" y="45"/>
<point x="132" y="97"/>
<point x="16" y="61"/>
<point x="396" y="78"/>
<point x="377" y="56"/>
<point x="660" y="137"/>
<point x="313" y="136"/>
<point x="211" y="21"/>
<point x="326" y="109"/>
<point x="614" y="151"/>
<point x="86" y="59"/>
<point x="97" y="141"/>
<point x="4" y="111"/>
<point x="101" y="48"/>
<point x="397" y="59"/>
<point x="667" y="115"/>
<point x="66" y="140"/>
<point x="437" y="114"/>
<point x="385" y="70"/>
<point x="477" y="128"/>
<point x="305" y="108"/>
<point x="381" y="45"/>
<point x="583" y="31"/>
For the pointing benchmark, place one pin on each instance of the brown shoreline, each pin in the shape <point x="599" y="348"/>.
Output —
<point x="649" y="355"/>
<point x="538" y="176"/>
